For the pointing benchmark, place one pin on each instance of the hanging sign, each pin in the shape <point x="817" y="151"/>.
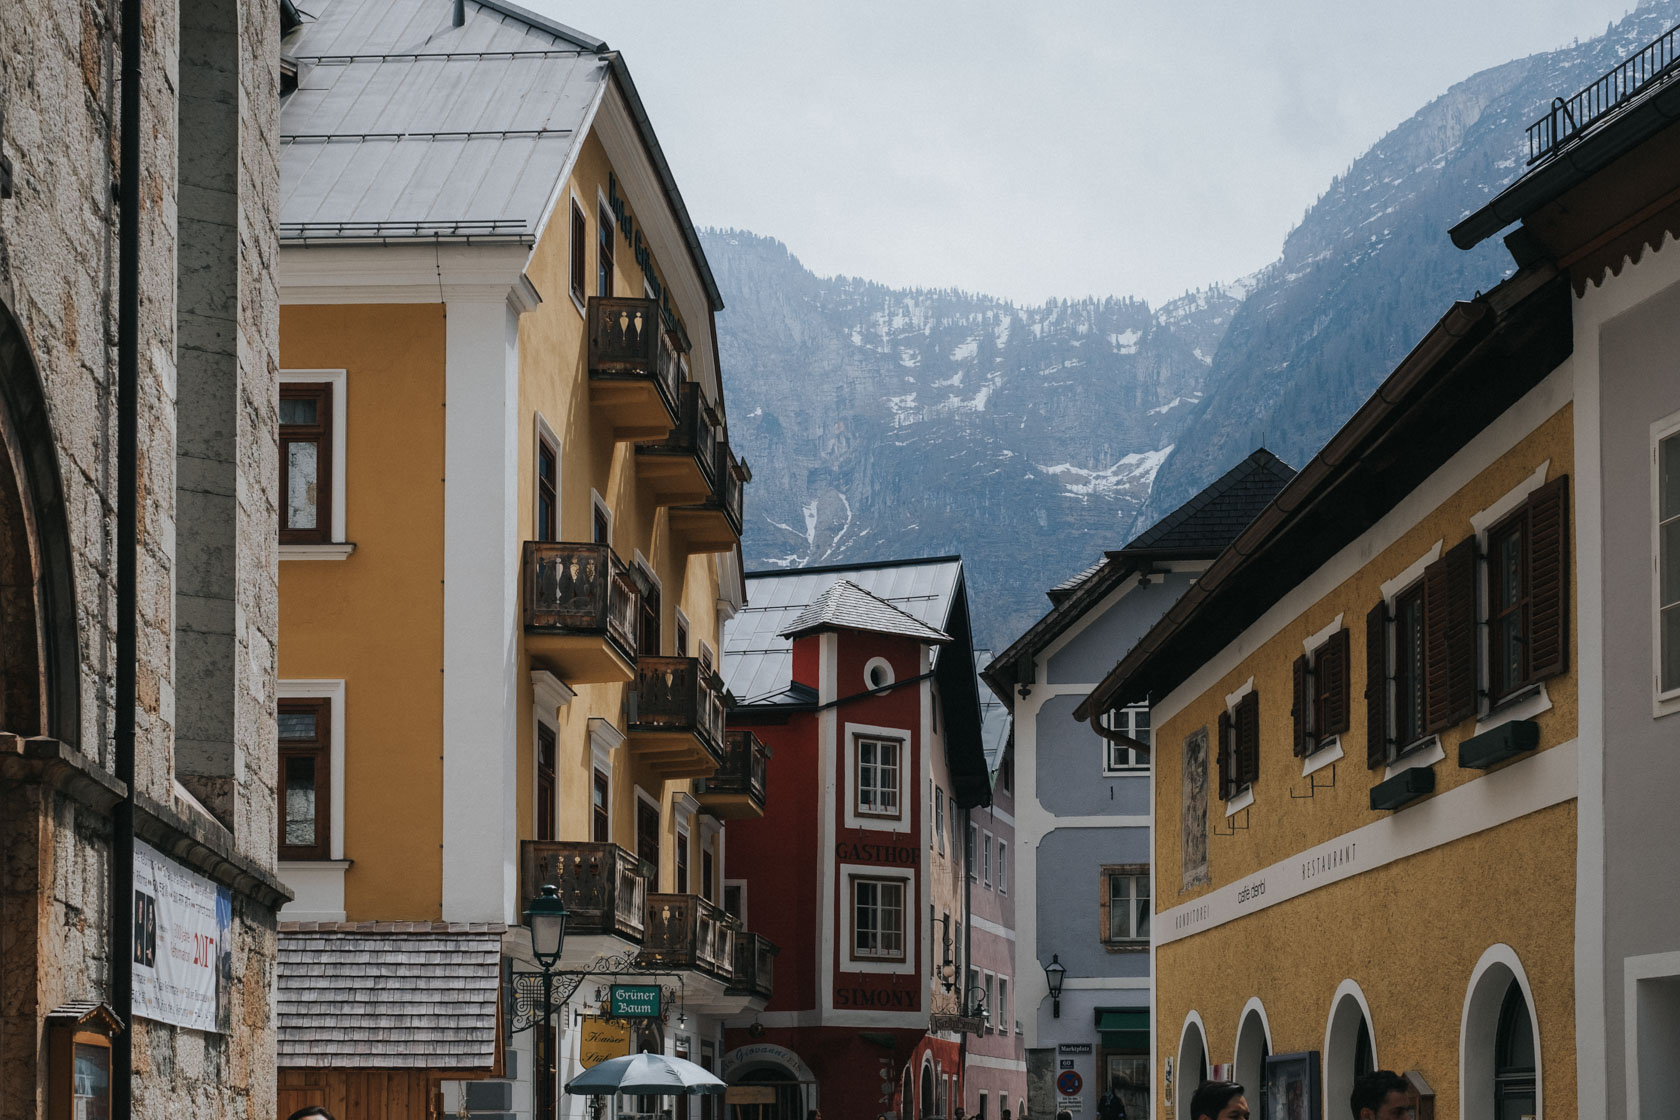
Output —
<point x="183" y="956"/>
<point x="634" y="1001"/>
<point x="603" y="1038"/>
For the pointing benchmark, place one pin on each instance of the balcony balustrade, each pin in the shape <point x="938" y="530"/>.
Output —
<point x="736" y="790"/>
<point x="755" y="966"/>
<point x="580" y="611"/>
<point x="680" y="469"/>
<point x="676" y="717"/>
<point x="634" y="367"/>
<point x="601" y="885"/>
<point x="714" y="525"/>
<point x="685" y="932"/>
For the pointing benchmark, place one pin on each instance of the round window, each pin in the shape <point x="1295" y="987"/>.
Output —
<point x="878" y="673"/>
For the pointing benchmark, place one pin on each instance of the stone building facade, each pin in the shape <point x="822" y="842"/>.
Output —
<point x="206" y="606"/>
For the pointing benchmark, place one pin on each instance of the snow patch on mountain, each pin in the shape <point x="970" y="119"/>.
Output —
<point x="1133" y="473"/>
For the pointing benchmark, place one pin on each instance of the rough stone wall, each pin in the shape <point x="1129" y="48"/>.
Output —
<point x="58" y="277"/>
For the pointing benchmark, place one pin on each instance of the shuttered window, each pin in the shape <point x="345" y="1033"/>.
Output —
<point x="1376" y="686"/>
<point x="1239" y="746"/>
<point x="1449" y="637"/>
<point x="1320" y="708"/>
<point x="580" y="252"/>
<point x="1528" y="593"/>
<point x="1666" y="463"/>
<point x="546" y="788"/>
<point x="1409" y="695"/>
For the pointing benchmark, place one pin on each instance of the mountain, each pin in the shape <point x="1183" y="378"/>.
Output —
<point x="885" y="422"/>
<point x="1370" y="268"/>
<point x="882" y="422"/>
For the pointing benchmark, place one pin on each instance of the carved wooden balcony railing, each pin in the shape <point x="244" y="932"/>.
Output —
<point x="680" y="469"/>
<point x="736" y="790"/>
<point x="601" y="884"/>
<point x="755" y="966"/>
<point x="676" y="717"/>
<point x="635" y="366"/>
<point x="580" y="611"/>
<point x="684" y="931"/>
<point x="714" y="525"/>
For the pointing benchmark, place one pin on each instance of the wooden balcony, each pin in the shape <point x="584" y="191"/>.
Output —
<point x="580" y="612"/>
<point x="679" y="469"/>
<point x="755" y="966"/>
<point x="736" y="790"/>
<point x="687" y="933"/>
<point x="601" y="884"/>
<point x="634" y="367"/>
<point x="676" y="718"/>
<point x="714" y="525"/>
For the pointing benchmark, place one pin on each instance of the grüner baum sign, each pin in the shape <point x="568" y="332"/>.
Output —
<point x="634" y="1001"/>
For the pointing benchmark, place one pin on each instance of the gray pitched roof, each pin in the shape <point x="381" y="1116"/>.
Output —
<point x="1213" y="517"/>
<point x="391" y="995"/>
<point x="1071" y="584"/>
<point x="846" y="606"/>
<point x="758" y="661"/>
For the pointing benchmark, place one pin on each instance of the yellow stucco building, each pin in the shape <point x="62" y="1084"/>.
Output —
<point x="509" y="543"/>
<point x="1366" y="735"/>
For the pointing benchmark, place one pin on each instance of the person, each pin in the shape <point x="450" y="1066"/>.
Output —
<point x="1005" y="1112"/>
<point x="1382" y="1095"/>
<point x="1218" y="1100"/>
<point x="312" y="1112"/>
<point x="1112" y="1107"/>
<point x="958" y="1113"/>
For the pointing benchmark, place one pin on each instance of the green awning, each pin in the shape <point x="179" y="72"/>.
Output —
<point x="1123" y="1028"/>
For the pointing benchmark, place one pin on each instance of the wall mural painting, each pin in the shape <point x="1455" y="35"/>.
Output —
<point x="1193" y="827"/>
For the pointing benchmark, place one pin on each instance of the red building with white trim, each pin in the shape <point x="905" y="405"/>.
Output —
<point x="861" y="681"/>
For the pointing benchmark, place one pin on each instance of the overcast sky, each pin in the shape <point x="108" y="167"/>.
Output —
<point x="1030" y="149"/>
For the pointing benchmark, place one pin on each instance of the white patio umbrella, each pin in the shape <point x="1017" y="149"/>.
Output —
<point x="645" y="1074"/>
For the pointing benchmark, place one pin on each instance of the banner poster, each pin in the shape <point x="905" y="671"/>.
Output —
<point x="183" y="955"/>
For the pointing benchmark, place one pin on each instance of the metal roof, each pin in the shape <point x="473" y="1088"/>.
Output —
<point x="403" y="125"/>
<point x="758" y="660"/>
<point x="846" y="606"/>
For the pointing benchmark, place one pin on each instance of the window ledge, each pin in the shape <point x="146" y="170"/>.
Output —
<point x="338" y="551"/>
<point x="1427" y="754"/>
<point x="1125" y="946"/>
<point x="1665" y="704"/>
<point x="1240" y="802"/>
<point x="1525" y="704"/>
<point x="305" y="864"/>
<point x="1330" y="750"/>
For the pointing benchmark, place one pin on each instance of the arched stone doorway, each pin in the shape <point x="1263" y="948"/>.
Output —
<point x="39" y="692"/>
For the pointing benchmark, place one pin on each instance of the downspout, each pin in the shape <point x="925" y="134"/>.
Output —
<point x="121" y="993"/>
<point x="967" y="961"/>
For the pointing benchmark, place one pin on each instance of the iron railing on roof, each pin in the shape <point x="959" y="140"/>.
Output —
<point x="1569" y="117"/>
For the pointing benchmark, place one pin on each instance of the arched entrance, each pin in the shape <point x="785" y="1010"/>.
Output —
<point x="1192" y="1060"/>
<point x="1513" y="1068"/>
<point x="788" y="1087"/>
<point x="1499" y="1042"/>
<point x="1254" y="1045"/>
<point x="929" y="1104"/>
<point x="1349" y="1047"/>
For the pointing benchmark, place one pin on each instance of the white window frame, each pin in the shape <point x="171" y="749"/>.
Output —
<point x="588" y="244"/>
<point x="853" y="963"/>
<point x="988" y="985"/>
<point x="543" y="433"/>
<point x="899" y="822"/>
<point x="939" y="816"/>
<point x="1000" y="1014"/>
<point x="1662" y="703"/>
<point x="986" y="858"/>
<point x="1312" y="647"/>
<point x="596" y="502"/>
<point x="1243" y="797"/>
<point x="1112" y="750"/>
<point x="548" y="694"/>
<point x="969" y="845"/>
<point x="886" y="669"/>
<point x="1109" y="874"/>
<point x="333" y="690"/>
<point x="338" y="548"/>
<point x="1530" y="700"/>
<point x="683" y="626"/>
<point x="643" y="795"/>
<point x="1002" y="865"/>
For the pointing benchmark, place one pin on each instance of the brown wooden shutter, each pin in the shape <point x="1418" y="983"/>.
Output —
<point x="1222" y="751"/>
<point x="1303" y="703"/>
<point x="1333" y="683"/>
<point x="1449" y="626"/>
<point x="1376" y="686"/>
<point x="1248" y="739"/>
<point x="1548" y="579"/>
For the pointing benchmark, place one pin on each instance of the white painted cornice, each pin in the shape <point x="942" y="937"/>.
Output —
<point x="418" y="273"/>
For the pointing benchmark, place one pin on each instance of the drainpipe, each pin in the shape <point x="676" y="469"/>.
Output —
<point x="121" y="992"/>
<point x="967" y="961"/>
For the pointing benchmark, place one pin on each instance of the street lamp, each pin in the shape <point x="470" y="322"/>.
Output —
<point x="1054" y="973"/>
<point x="546" y="915"/>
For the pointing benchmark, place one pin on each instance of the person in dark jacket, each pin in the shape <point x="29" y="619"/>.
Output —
<point x="1112" y="1106"/>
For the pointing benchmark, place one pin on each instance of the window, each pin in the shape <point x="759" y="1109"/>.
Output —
<point x="991" y="1008"/>
<point x="600" y="527"/>
<point x="878" y="674"/>
<point x="647" y="836"/>
<point x="545" y="782"/>
<point x="682" y="635"/>
<point x="548" y="491"/>
<point x="1507" y="607"/>
<point x="580" y="250"/>
<point x="600" y="811"/>
<point x="968" y="852"/>
<point x="1009" y="769"/>
<point x="648" y="625"/>
<point x="1528" y="593"/>
<point x="306" y="461"/>
<point x="604" y="255"/>
<point x="982" y="1115"/>
<point x="1321" y="709"/>
<point x="1239" y="746"/>
<point x="1666" y="460"/>
<point x="1000" y="1014"/>
<point x="1003" y="867"/>
<point x="1132" y="722"/>
<point x="939" y="817"/>
<point x="1409" y="703"/>
<point x="878" y="919"/>
<point x="305" y="770"/>
<point x="986" y="861"/>
<point x="1125" y="904"/>
<point x="1514" y="1081"/>
<point x="683" y="881"/>
<point x="877" y="777"/>
<point x="708" y="874"/>
<point x="735" y="901"/>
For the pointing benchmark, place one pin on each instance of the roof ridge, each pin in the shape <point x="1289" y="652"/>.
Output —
<point x="1256" y="461"/>
<point x="830" y="609"/>
<point x="543" y="23"/>
<point x="860" y="566"/>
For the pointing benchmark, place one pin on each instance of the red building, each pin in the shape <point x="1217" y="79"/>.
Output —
<point x="861" y="681"/>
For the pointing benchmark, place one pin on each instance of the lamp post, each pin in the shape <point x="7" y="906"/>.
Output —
<point x="546" y="915"/>
<point x="1054" y="973"/>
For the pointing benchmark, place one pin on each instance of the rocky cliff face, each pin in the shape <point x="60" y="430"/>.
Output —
<point x="882" y="422"/>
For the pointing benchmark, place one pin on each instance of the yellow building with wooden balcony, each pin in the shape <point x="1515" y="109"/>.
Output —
<point x="510" y="538"/>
